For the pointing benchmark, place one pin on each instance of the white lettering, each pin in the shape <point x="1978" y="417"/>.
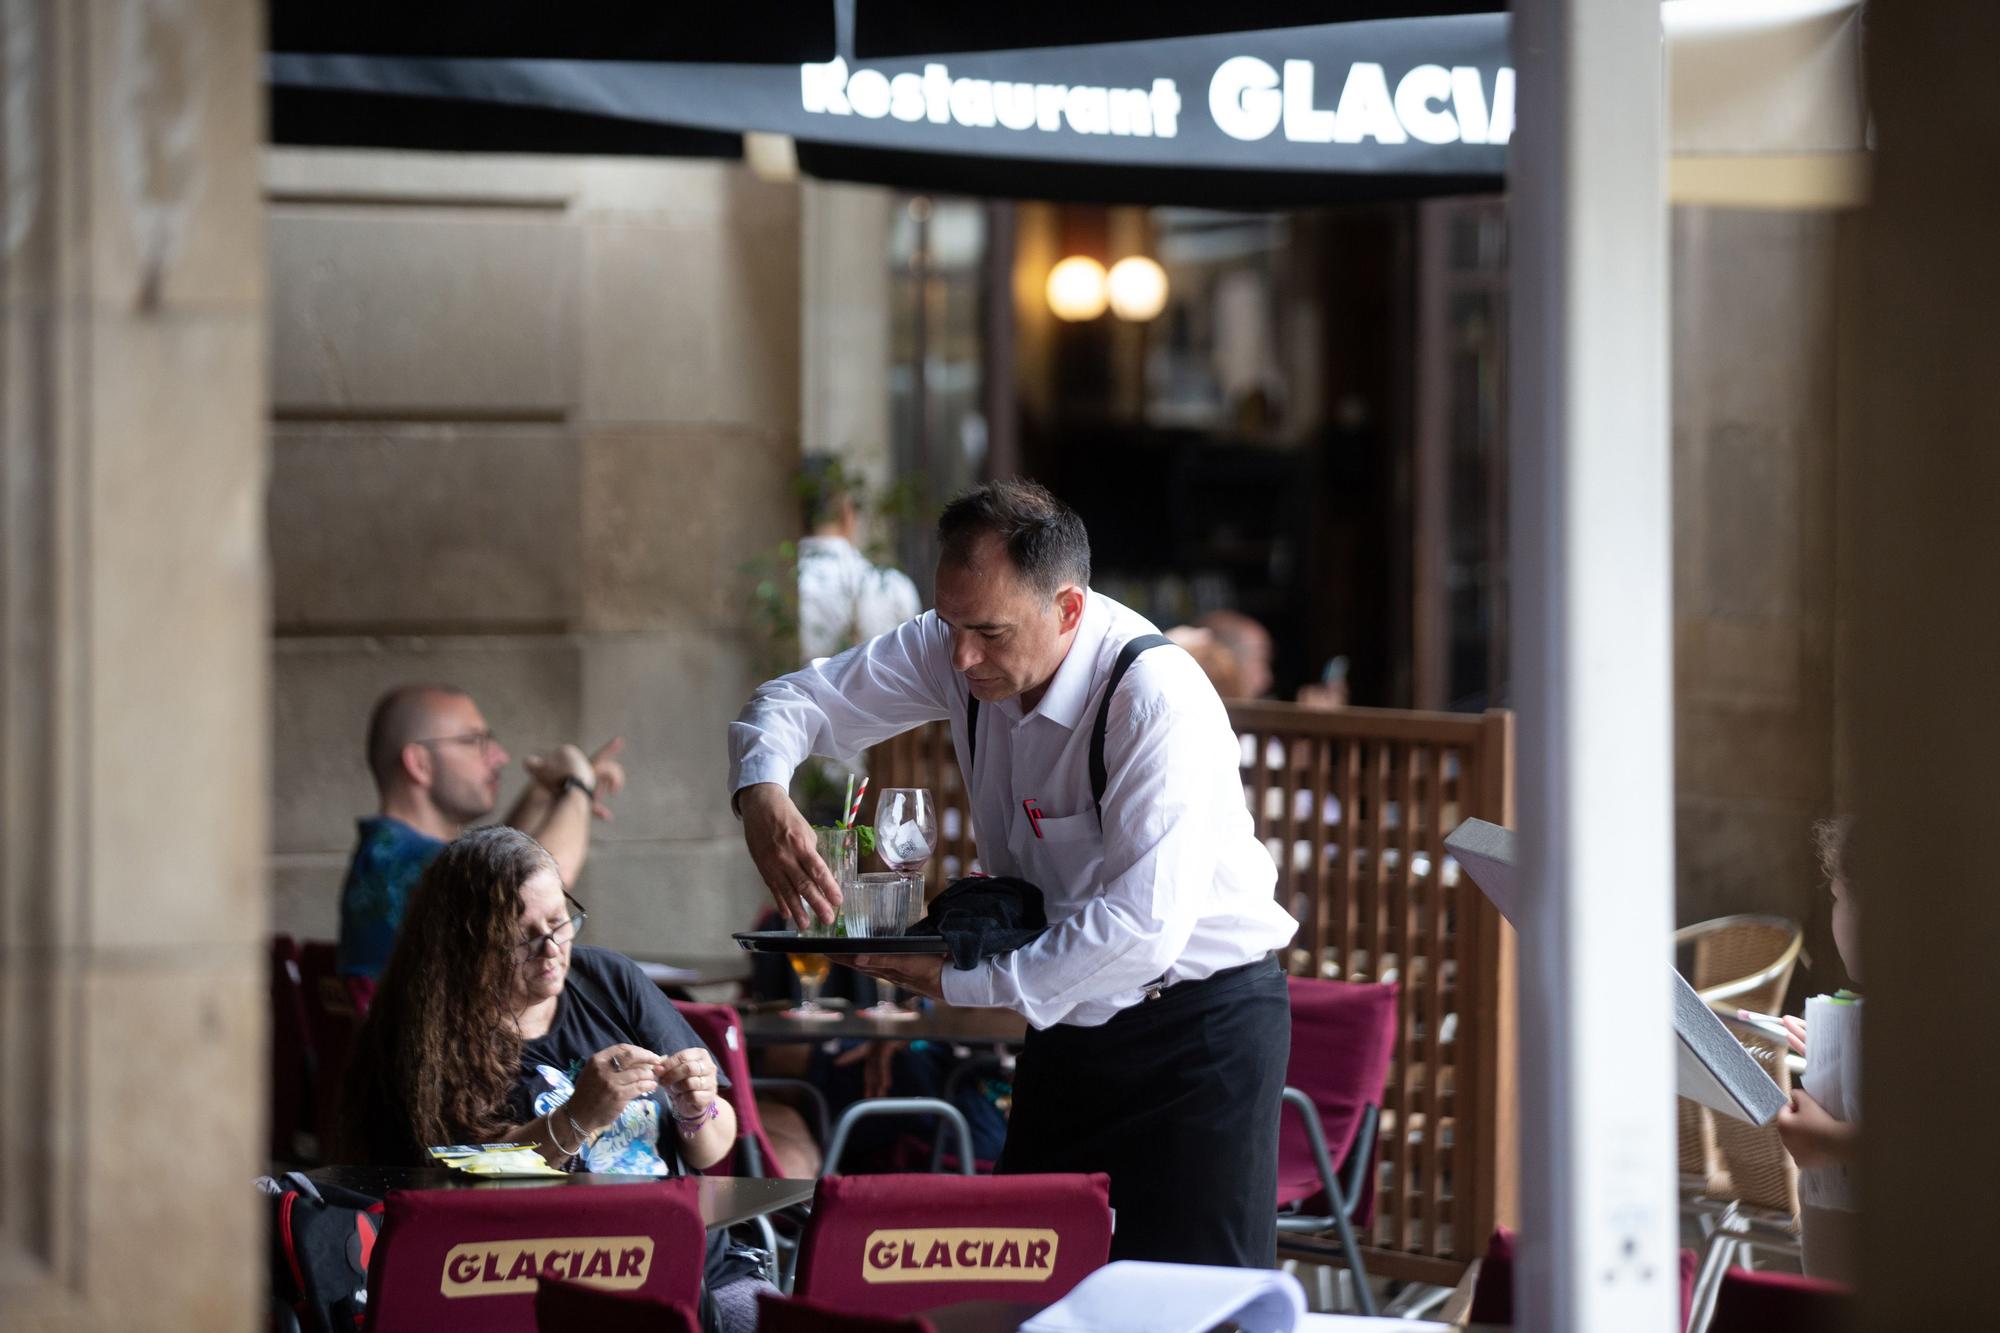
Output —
<point x="1366" y="109"/>
<point x="972" y="102"/>
<point x="820" y="87"/>
<point x="1501" y="128"/>
<point x="868" y="90"/>
<point x="1088" y="110"/>
<point x="937" y="93"/>
<point x="1049" y="104"/>
<point x="906" y="97"/>
<point x="1014" y="105"/>
<point x="1166" y="101"/>
<point x="1468" y="101"/>
<point x="1414" y="94"/>
<point x="1131" y="112"/>
<point x="1304" y="123"/>
<point x="1242" y="98"/>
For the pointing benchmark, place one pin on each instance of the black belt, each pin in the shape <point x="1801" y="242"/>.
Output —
<point x="1213" y="981"/>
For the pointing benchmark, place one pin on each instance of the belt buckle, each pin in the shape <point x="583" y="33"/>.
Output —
<point x="1153" y="991"/>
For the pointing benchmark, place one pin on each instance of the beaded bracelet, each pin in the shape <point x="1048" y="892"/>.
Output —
<point x="691" y="1125"/>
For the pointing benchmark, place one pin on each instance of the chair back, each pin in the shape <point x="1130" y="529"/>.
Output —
<point x="571" y="1307"/>
<point x="291" y="1055"/>
<point x="1343" y="1037"/>
<point x="1750" y="1302"/>
<point x="335" y="1005"/>
<point x="1755" y="1168"/>
<point x="775" y="1314"/>
<point x="471" y="1259"/>
<point x="1733" y="962"/>
<point x="721" y="1030"/>
<point x="891" y="1245"/>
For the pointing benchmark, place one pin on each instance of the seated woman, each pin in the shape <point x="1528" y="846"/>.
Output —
<point x="491" y="1025"/>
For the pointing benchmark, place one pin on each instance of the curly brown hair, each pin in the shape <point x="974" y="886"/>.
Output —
<point x="1833" y="840"/>
<point x="439" y="1050"/>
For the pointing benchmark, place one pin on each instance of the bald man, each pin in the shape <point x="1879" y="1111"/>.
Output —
<point x="437" y="767"/>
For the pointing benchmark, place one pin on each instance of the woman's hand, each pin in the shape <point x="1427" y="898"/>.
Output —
<point x="691" y="1081"/>
<point x="610" y="1079"/>
<point x="1813" y="1137"/>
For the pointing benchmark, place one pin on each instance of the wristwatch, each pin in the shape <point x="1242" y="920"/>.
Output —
<point x="572" y="781"/>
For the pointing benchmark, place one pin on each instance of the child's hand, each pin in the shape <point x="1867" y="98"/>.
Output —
<point x="1814" y="1138"/>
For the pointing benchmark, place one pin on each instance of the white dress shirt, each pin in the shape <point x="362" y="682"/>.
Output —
<point x="1174" y="886"/>
<point x="845" y="599"/>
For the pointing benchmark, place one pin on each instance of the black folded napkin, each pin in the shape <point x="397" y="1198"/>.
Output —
<point x="982" y="916"/>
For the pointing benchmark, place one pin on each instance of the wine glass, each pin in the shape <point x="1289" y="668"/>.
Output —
<point x="905" y="835"/>
<point x="811" y="970"/>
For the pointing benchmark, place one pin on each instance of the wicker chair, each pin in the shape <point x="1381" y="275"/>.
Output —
<point x="1738" y="962"/>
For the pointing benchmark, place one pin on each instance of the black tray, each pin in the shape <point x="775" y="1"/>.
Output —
<point x="783" y="941"/>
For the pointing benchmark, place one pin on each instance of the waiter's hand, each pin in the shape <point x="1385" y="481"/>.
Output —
<point x="781" y="842"/>
<point x="921" y="973"/>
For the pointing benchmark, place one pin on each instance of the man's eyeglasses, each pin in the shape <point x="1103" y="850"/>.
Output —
<point x="485" y="740"/>
<point x="560" y="936"/>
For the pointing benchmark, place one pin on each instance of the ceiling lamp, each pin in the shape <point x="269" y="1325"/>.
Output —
<point x="1076" y="289"/>
<point x="1138" y="289"/>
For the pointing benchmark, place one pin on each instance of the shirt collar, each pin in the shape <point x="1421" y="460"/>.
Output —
<point x="1069" y="689"/>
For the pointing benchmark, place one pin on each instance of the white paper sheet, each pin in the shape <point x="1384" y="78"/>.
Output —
<point x="665" y="974"/>
<point x="1833" y="1079"/>
<point x="1131" y="1296"/>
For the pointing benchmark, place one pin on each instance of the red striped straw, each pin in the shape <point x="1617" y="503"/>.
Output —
<point x="854" y="810"/>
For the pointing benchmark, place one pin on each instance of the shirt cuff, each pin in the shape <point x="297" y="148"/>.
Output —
<point x="969" y="989"/>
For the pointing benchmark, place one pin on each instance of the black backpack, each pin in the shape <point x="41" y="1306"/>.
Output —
<point x="321" y="1239"/>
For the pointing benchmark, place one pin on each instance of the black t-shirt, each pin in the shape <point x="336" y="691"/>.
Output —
<point x="607" y="1001"/>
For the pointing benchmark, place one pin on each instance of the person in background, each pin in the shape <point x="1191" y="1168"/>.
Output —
<point x="437" y="768"/>
<point x="1810" y="1133"/>
<point x="492" y="1025"/>
<point x="1215" y="658"/>
<point x="1250" y="644"/>
<point x="844" y="598"/>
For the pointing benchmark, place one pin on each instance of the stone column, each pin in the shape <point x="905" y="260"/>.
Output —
<point x="132" y="605"/>
<point x="844" y="344"/>
<point x="1921" y="618"/>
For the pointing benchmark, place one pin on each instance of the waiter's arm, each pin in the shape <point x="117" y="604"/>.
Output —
<point x="1161" y="831"/>
<point x="838" y="707"/>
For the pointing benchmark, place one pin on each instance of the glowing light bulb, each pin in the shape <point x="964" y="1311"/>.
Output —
<point x="1076" y="289"/>
<point x="1137" y="288"/>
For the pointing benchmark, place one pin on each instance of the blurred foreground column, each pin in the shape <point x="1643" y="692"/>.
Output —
<point x="1924" y="621"/>
<point x="132" y="608"/>
<point x="1592" y="618"/>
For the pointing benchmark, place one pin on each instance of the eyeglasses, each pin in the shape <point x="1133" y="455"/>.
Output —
<point x="560" y="936"/>
<point x="485" y="740"/>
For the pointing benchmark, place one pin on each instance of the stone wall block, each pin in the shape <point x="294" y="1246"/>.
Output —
<point x="176" y="605"/>
<point x="173" y="1100"/>
<point x="305" y="894"/>
<point x="674" y="898"/>
<point x="673" y="515"/>
<point x="527" y="687"/>
<point x="690" y="320"/>
<point x="411" y="527"/>
<point x="343" y="175"/>
<point x="671" y="696"/>
<point x="1753" y="753"/>
<point x="178" y="104"/>
<point x="372" y="311"/>
<point x="1745" y="856"/>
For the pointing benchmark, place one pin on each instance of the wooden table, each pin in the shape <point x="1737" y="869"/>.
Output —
<point x="940" y="1022"/>
<point x="724" y="1200"/>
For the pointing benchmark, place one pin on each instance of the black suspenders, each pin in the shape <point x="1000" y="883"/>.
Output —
<point x="1098" y="777"/>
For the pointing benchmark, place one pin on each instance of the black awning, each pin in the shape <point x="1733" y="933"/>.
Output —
<point x="746" y="31"/>
<point x="884" y="28"/>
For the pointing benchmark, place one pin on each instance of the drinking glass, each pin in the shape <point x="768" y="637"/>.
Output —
<point x="905" y="836"/>
<point x="811" y="970"/>
<point x="839" y="849"/>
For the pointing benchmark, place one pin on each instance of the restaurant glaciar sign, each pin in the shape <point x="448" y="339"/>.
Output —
<point x="1420" y="96"/>
<point x="1410" y="95"/>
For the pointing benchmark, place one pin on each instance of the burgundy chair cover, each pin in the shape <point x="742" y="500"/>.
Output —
<point x="775" y="1314"/>
<point x="571" y="1307"/>
<point x="721" y="1030"/>
<point x="334" y="1009"/>
<point x="1779" y="1303"/>
<point x="1493" y="1289"/>
<point x="291" y="1050"/>
<point x="471" y="1259"/>
<point x="892" y="1245"/>
<point x="1343" y="1035"/>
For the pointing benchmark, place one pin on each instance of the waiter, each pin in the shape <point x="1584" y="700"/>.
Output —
<point x="1159" y="1019"/>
